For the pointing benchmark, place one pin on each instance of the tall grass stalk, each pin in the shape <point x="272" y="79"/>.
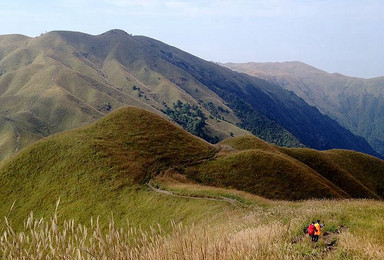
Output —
<point x="48" y="239"/>
<point x="271" y="233"/>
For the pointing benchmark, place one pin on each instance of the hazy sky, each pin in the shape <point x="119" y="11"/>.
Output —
<point x="345" y="36"/>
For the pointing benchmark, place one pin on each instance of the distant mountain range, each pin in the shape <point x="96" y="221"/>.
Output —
<point x="356" y="103"/>
<point x="62" y="80"/>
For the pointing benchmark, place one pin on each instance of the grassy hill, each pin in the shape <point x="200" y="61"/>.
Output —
<point x="356" y="103"/>
<point x="98" y="168"/>
<point x="62" y="80"/>
<point x="250" y="164"/>
<point x="102" y="168"/>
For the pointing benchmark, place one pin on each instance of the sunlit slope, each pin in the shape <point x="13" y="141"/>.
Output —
<point x="248" y="163"/>
<point x="94" y="170"/>
<point x="63" y="80"/>
<point x="143" y="70"/>
<point x="358" y="174"/>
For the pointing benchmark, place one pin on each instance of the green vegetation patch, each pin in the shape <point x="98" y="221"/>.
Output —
<point x="191" y="118"/>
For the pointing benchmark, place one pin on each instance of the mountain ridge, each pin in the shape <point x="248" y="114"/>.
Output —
<point x="356" y="103"/>
<point x="267" y="109"/>
<point x="62" y="80"/>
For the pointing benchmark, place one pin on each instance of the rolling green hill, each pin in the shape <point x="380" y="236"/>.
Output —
<point x="356" y="103"/>
<point x="98" y="168"/>
<point x="252" y="165"/>
<point x="99" y="173"/>
<point x="62" y="80"/>
<point x="103" y="168"/>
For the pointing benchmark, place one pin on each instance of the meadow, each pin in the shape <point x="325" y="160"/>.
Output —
<point x="255" y="228"/>
<point x="135" y="186"/>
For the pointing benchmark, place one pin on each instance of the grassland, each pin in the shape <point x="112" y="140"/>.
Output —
<point x="98" y="168"/>
<point x="250" y="164"/>
<point x="210" y="208"/>
<point x="261" y="229"/>
<point x="103" y="167"/>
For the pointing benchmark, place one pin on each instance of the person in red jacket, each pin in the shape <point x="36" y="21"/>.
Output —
<point x="311" y="231"/>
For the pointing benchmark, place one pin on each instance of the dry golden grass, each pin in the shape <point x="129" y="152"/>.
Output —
<point x="46" y="239"/>
<point x="105" y="166"/>
<point x="273" y="232"/>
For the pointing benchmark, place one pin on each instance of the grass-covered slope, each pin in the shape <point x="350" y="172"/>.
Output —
<point x="359" y="175"/>
<point x="100" y="168"/>
<point x="266" y="174"/>
<point x="62" y="80"/>
<point x="248" y="163"/>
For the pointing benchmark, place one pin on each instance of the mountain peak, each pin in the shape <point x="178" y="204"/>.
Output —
<point x="114" y="33"/>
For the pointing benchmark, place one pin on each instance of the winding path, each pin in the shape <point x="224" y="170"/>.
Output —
<point x="233" y="202"/>
<point x="329" y="238"/>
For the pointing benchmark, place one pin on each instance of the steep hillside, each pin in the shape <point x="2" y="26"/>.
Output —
<point x="62" y="80"/>
<point x="47" y="86"/>
<point x="356" y="103"/>
<point x="163" y="75"/>
<point x="254" y="100"/>
<point x="103" y="168"/>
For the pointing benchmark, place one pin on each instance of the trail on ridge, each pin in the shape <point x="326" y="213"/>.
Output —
<point x="233" y="202"/>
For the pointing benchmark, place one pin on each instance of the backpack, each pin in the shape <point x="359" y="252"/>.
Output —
<point x="311" y="229"/>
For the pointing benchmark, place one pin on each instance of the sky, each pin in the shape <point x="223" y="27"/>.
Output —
<point x="344" y="36"/>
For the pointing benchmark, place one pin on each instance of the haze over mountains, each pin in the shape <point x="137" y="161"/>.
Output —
<point x="356" y="103"/>
<point x="62" y="80"/>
